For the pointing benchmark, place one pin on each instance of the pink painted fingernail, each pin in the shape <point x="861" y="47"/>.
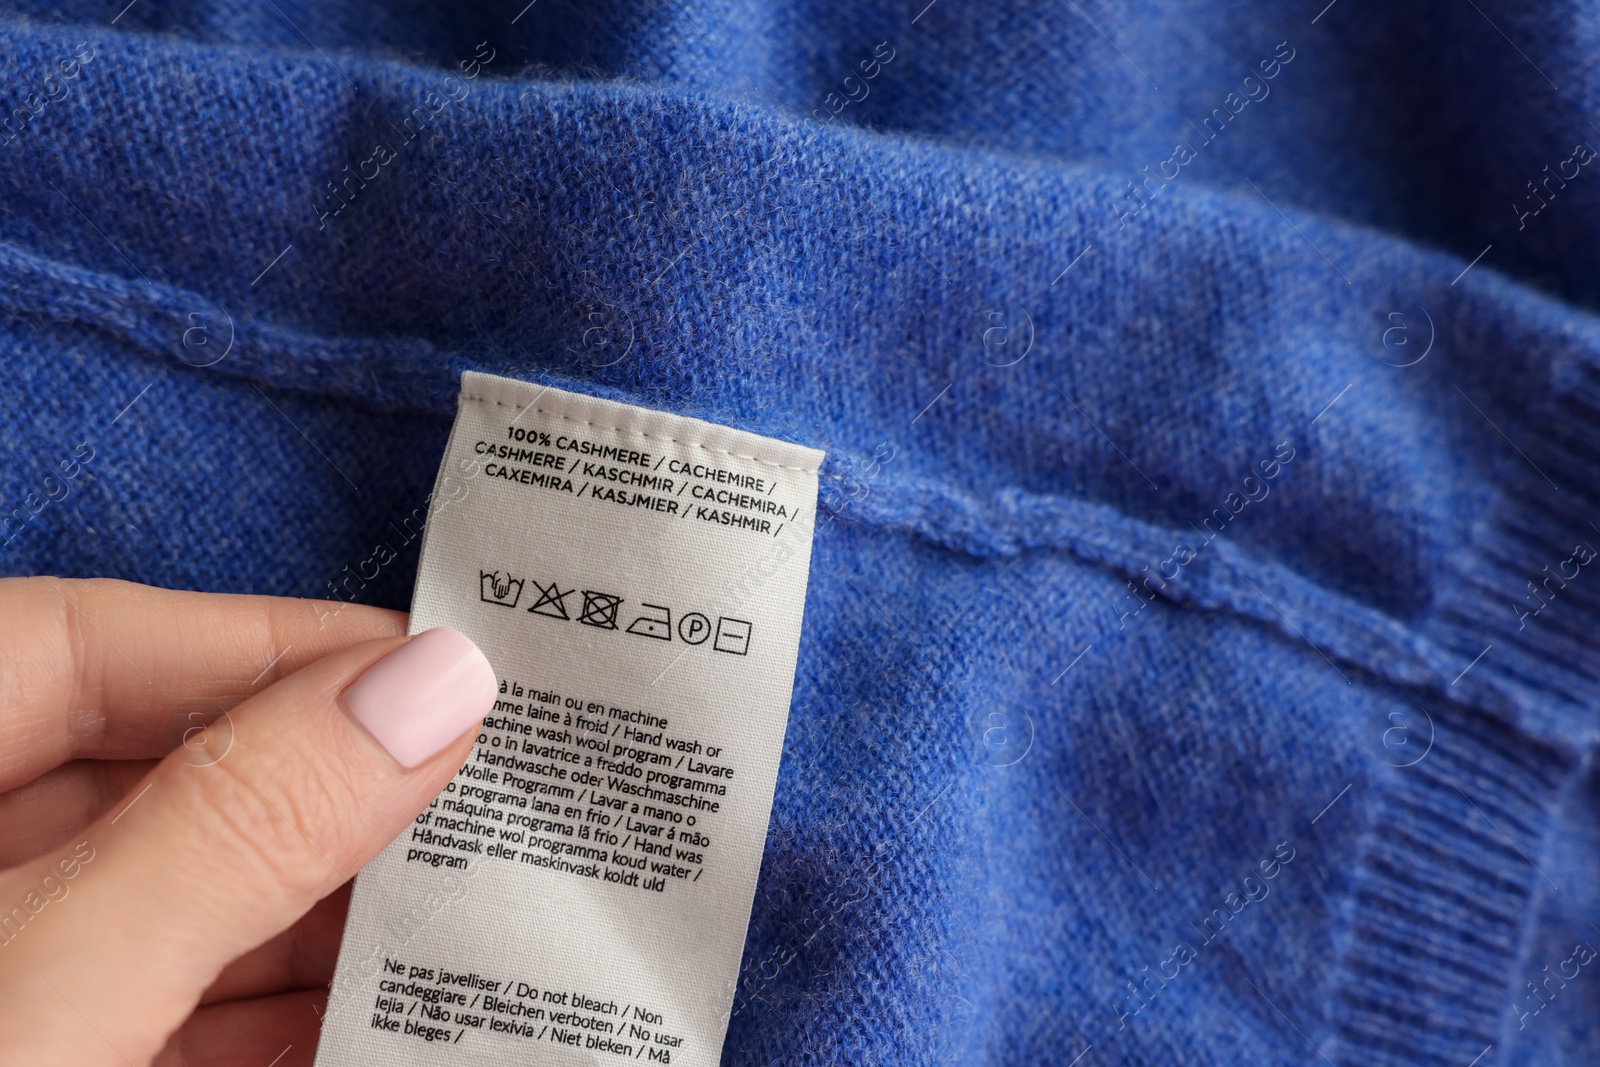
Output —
<point x="424" y="694"/>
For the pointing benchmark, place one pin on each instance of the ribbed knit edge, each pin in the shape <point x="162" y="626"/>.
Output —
<point x="1549" y="504"/>
<point x="1445" y="892"/>
<point x="1449" y="889"/>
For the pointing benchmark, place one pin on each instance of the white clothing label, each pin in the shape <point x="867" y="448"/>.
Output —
<point x="580" y="893"/>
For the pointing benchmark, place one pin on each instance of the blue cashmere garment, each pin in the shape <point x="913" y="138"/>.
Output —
<point x="1199" y="660"/>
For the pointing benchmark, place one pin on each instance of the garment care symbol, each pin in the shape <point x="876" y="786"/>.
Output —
<point x="495" y="588"/>
<point x="600" y="610"/>
<point x="603" y="611"/>
<point x="733" y="635"/>
<point x="694" y="628"/>
<point x="657" y="625"/>
<point x="552" y="601"/>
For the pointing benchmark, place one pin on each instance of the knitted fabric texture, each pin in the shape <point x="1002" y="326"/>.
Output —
<point x="1199" y="659"/>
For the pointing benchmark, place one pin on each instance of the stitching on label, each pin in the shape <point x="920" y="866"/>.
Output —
<point x="641" y="433"/>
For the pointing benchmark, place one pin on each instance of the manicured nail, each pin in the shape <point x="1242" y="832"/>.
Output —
<point x="424" y="694"/>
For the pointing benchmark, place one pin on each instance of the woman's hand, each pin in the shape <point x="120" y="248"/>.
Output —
<point x="187" y="784"/>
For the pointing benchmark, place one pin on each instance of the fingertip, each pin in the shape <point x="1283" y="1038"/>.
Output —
<point x="425" y="694"/>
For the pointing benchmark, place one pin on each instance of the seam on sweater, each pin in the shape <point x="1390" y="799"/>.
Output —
<point x="1227" y="578"/>
<point x="153" y="318"/>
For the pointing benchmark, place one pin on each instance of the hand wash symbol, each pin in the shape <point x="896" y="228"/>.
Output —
<point x="497" y="589"/>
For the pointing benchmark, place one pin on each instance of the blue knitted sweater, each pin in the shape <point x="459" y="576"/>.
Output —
<point x="1199" y="660"/>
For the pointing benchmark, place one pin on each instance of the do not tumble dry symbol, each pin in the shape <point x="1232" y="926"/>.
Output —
<point x="603" y="611"/>
<point x="600" y="610"/>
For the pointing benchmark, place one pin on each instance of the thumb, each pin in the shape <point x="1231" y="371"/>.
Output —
<point x="231" y="839"/>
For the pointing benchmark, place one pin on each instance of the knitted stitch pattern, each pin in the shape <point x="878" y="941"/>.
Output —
<point x="1199" y="662"/>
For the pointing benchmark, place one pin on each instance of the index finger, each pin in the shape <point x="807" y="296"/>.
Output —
<point x="107" y="669"/>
